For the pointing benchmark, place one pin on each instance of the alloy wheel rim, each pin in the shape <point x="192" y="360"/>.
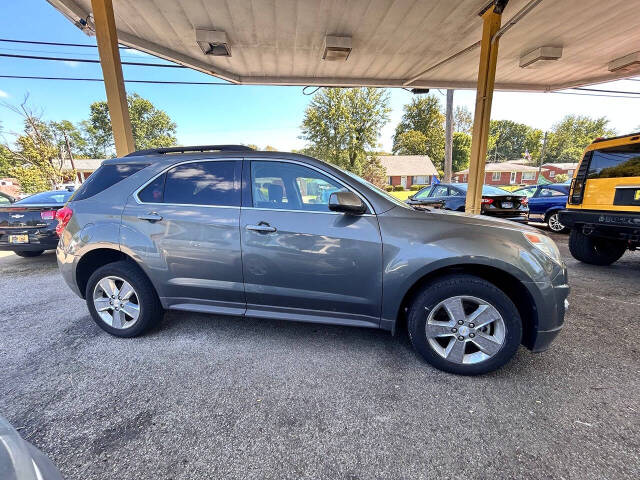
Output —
<point x="554" y="223"/>
<point x="116" y="302"/>
<point x="465" y="330"/>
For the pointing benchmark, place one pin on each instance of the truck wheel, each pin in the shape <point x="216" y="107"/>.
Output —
<point x="465" y="325"/>
<point x="121" y="300"/>
<point x="554" y="224"/>
<point x="594" y="250"/>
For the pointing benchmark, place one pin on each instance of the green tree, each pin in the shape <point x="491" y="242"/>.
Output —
<point x="341" y="125"/>
<point x="511" y="140"/>
<point x="373" y="171"/>
<point x="423" y="115"/>
<point x="461" y="151"/>
<point x="5" y="161"/>
<point x="571" y="135"/>
<point x="411" y="142"/>
<point x="561" y="178"/>
<point x="462" y="120"/>
<point x="152" y="127"/>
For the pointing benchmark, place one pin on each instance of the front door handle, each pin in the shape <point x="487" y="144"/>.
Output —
<point x="150" y="217"/>
<point x="262" y="227"/>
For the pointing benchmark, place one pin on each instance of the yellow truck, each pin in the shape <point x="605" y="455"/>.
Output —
<point x="603" y="208"/>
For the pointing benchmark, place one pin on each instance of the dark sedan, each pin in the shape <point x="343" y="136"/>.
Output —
<point x="28" y="226"/>
<point x="495" y="201"/>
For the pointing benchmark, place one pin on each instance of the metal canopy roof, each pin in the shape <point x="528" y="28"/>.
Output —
<point x="413" y="43"/>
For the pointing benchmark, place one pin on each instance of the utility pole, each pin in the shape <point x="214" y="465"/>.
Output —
<point x="448" y="139"/>
<point x="73" y="165"/>
<point x="544" y="146"/>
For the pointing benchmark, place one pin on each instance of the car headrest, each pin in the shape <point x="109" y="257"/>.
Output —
<point x="276" y="192"/>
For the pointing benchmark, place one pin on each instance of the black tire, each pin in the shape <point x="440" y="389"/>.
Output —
<point x="464" y="285"/>
<point x="553" y="226"/>
<point x="595" y="250"/>
<point x="29" y="253"/>
<point x="147" y="298"/>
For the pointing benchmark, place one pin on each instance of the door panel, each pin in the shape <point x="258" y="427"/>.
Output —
<point x="192" y="252"/>
<point x="306" y="262"/>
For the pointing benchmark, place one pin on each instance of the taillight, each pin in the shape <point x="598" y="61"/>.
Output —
<point x="524" y="200"/>
<point x="487" y="201"/>
<point x="48" y="215"/>
<point x="63" y="216"/>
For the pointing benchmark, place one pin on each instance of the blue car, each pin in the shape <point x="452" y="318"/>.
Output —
<point x="545" y="201"/>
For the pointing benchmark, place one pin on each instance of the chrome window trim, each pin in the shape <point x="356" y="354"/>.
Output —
<point x="304" y="211"/>
<point x="200" y="160"/>
<point x="323" y="172"/>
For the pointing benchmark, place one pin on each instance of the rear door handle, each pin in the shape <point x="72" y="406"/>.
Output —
<point x="150" y="217"/>
<point x="262" y="227"/>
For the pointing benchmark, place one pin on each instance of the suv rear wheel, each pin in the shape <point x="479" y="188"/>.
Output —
<point x="121" y="300"/>
<point x="464" y="324"/>
<point x="594" y="250"/>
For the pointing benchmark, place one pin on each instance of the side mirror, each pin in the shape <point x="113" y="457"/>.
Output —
<point x="346" y="202"/>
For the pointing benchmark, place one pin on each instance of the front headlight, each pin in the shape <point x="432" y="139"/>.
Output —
<point x="545" y="245"/>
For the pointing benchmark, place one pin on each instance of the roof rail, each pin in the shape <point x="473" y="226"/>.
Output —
<point x="196" y="148"/>
<point x="606" y="139"/>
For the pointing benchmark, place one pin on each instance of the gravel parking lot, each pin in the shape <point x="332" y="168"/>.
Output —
<point x="215" y="397"/>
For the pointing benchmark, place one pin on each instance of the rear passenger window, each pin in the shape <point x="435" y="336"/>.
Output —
<point x="154" y="192"/>
<point x="105" y="177"/>
<point x="198" y="183"/>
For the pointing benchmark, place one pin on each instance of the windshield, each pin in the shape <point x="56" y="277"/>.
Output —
<point x="386" y="195"/>
<point x="60" y="196"/>
<point x="489" y="190"/>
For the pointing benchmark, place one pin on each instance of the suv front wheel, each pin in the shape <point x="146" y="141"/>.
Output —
<point x="121" y="300"/>
<point x="464" y="324"/>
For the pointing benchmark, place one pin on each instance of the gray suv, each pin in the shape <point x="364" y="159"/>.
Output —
<point x="228" y="230"/>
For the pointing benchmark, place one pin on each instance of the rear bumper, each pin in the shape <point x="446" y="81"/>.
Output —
<point x="610" y="224"/>
<point x="67" y="268"/>
<point x="514" y="216"/>
<point x="38" y="240"/>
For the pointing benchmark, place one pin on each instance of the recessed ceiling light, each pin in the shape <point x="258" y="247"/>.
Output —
<point x="628" y="63"/>
<point x="540" y="54"/>
<point x="213" y="42"/>
<point x="336" y="48"/>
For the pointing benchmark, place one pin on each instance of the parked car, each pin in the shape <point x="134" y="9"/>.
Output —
<point x="227" y="230"/>
<point x="6" y="199"/>
<point x="28" y="226"/>
<point x="495" y="201"/>
<point x="545" y="201"/>
<point x="603" y="209"/>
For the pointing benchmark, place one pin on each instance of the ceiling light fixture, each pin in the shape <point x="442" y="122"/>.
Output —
<point x="336" y="48"/>
<point x="628" y="63"/>
<point x="213" y="42"/>
<point x="540" y="54"/>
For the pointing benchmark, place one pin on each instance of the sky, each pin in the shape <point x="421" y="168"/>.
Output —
<point x="259" y="115"/>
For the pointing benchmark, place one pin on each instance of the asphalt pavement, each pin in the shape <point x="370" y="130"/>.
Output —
<point x="215" y="397"/>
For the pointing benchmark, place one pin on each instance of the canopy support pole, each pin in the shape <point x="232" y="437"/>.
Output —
<point x="107" y="38"/>
<point x="484" y="95"/>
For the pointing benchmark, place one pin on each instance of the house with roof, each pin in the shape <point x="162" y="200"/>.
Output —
<point x="504" y="173"/>
<point x="84" y="166"/>
<point x="550" y="170"/>
<point x="407" y="170"/>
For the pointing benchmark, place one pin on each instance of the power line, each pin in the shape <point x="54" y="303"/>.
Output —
<point x="59" y="44"/>
<point x="87" y="60"/>
<point x="162" y="82"/>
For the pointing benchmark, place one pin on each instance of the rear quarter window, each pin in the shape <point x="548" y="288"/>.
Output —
<point x="104" y="177"/>
<point x="615" y="162"/>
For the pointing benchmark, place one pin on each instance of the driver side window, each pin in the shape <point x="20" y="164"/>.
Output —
<point x="289" y="186"/>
